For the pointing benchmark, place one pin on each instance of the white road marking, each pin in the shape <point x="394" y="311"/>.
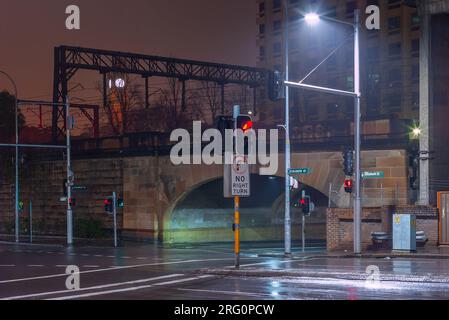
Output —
<point x="115" y="268"/>
<point x="98" y="256"/>
<point x="41" y="294"/>
<point x="128" y="289"/>
<point x="234" y="293"/>
<point x="91" y="266"/>
<point x="7" y="265"/>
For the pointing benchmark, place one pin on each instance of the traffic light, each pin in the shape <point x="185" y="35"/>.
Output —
<point x="245" y="122"/>
<point x="348" y="162"/>
<point x="305" y="205"/>
<point x="64" y="187"/>
<point x="120" y="203"/>
<point x="275" y="85"/>
<point x="21" y="206"/>
<point x="348" y="185"/>
<point x="108" y="205"/>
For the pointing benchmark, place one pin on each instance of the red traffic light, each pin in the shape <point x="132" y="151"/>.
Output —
<point x="348" y="185"/>
<point x="107" y="201"/>
<point x="247" y="126"/>
<point x="244" y="123"/>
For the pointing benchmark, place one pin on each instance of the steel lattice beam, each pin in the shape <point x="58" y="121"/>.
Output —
<point x="68" y="60"/>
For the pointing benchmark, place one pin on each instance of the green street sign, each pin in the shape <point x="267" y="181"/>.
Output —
<point x="373" y="175"/>
<point x="299" y="171"/>
<point x="79" y="188"/>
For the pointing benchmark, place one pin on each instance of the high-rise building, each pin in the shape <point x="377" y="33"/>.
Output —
<point x="389" y="65"/>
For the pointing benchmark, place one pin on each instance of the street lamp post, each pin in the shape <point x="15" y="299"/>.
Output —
<point x="287" y="221"/>
<point x="313" y="18"/>
<point x="17" y="221"/>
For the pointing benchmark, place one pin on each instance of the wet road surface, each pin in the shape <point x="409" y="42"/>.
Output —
<point x="153" y="273"/>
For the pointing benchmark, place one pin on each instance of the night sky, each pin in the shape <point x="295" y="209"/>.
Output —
<point x="211" y="30"/>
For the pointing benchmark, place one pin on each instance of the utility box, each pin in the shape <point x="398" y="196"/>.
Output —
<point x="404" y="232"/>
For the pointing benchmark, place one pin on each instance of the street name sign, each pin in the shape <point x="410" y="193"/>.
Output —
<point x="299" y="171"/>
<point x="373" y="175"/>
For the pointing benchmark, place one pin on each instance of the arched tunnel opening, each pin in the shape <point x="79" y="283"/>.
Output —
<point x="203" y="215"/>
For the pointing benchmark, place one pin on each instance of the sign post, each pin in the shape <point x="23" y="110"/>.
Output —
<point x="114" y="211"/>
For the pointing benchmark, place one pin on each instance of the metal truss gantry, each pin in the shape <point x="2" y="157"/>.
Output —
<point x="68" y="60"/>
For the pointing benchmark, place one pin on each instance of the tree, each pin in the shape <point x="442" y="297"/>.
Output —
<point x="212" y="95"/>
<point x="122" y="100"/>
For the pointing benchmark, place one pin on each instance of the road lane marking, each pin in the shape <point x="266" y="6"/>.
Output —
<point x="128" y="289"/>
<point x="234" y="293"/>
<point x="116" y="268"/>
<point x="41" y="294"/>
<point x="91" y="266"/>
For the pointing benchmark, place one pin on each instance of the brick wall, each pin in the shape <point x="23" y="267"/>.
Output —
<point x="41" y="183"/>
<point x="339" y="227"/>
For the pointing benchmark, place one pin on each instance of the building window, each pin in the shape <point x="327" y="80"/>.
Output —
<point x="394" y="25"/>
<point x="372" y="103"/>
<point x="415" y="73"/>
<point x="373" y="81"/>
<point x="277" y="25"/>
<point x="372" y="54"/>
<point x="394" y="49"/>
<point x="332" y="108"/>
<point x="394" y="78"/>
<point x="415" y="45"/>
<point x="415" y="101"/>
<point x="311" y="110"/>
<point x="262" y="52"/>
<point x="261" y="29"/>
<point x="276" y="5"/>
<point x="277" y="49"/>
<point x="262" y="8"/>
<point x="393" y="102"/>
<point x="350" y="83"/>
<point x="415" y="21"/>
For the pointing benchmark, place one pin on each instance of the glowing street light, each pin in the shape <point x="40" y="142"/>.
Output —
<point x="416" y="132"/>
<point x="312" y="18"/>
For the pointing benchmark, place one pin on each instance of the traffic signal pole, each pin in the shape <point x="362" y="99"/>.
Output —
<point x="287" y="219"/>
<point x="357" y="142"/>
<point x="237" y="230"/>
<point x="70" y="176"/>
<point x="114" y="212"/>
<point x="236" y="198"/>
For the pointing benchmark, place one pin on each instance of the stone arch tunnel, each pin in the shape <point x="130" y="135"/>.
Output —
<point x="201" y="214"/>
